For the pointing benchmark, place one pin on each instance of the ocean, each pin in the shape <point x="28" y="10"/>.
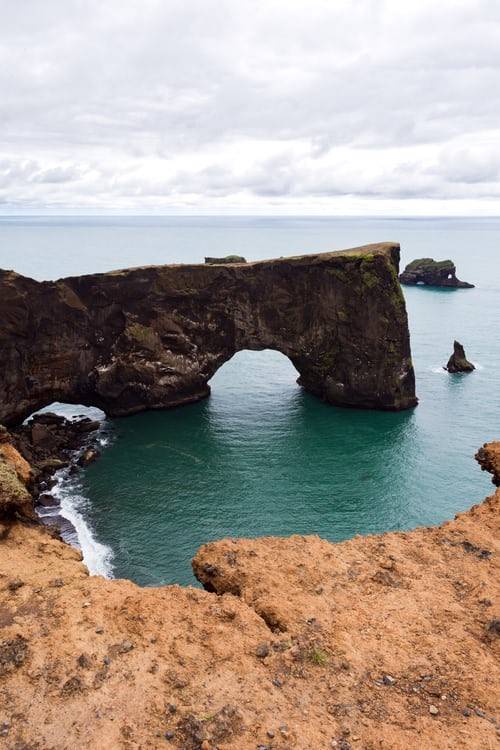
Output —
<point x="260" y="456"/>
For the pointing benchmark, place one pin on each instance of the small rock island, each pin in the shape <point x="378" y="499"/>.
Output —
<point x="432" y="272"/>
<point x="225" y="259"/>
<point x="458" y="362"/>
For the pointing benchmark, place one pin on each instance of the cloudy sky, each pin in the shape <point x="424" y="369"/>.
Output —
<point x="250" y="106"/>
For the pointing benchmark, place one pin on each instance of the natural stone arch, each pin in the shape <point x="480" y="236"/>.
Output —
<point x="152" y="337"/>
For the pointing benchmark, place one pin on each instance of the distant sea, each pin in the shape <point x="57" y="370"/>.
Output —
<point x="260" y="456"/>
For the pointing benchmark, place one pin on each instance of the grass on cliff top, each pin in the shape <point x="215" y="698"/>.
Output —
<point x="429" y="264"/>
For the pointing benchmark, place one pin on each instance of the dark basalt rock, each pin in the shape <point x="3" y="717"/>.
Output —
<point x="458" y="362"/>
<point x="432" y="273"/>
<point x="150" y="338"/>
<point x="226" y="259"/>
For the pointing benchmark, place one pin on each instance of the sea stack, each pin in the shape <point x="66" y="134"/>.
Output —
<point x="458" y="362"/>
<point x="432" y="272"/>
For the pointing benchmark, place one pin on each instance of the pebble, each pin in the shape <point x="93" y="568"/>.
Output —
<point x="433" y="710"/>
<point x="107" y="661"/>
<point x="57" y="583"/>
<point x="277" y="682"/>
<point x="126" y="646"/>
<point x="99" y="630"/>
<point x="262" y="650"/>
<point x="83" y="661"/>
<point x="86" y="604"/>
<point x="171" y="708"/>
<point x="467" y="712"/>
<point x="15" y="584"/>
<point x="169" y="735"/>
<point x="270" y="734"/>
<point x="480" y="713"/>
<point x="205" y="745"/>
<point x="388" y="680"/>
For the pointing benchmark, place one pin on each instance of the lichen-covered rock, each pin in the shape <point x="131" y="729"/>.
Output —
<point x="149" y="338"/>
<point x="458" y="362"/>
<point x="432" y="273"/>
<point x="15" y="498"/>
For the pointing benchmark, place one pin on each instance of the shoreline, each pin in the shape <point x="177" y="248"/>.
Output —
<point x="56" y="489"/>
<point x="386" y="641"/>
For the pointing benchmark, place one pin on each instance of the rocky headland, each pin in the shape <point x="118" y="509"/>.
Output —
<point x="432" y="272"/>
<point x="380" y="642"/>
<point x="150" y="338"/>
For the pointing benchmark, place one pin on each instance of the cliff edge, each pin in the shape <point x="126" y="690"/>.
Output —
<point x="384" y="642"/>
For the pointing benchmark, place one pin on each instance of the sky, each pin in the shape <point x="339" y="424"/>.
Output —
<point x="350" y="107"/>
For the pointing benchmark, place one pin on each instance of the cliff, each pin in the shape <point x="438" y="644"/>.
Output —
<point x="149" y="338"/>
<point x="384" y="642"/>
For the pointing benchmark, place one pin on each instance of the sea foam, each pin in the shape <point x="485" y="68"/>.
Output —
<point x="72" y="503"/>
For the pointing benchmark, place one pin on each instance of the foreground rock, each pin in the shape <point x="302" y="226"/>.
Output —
<point x="30" y="456"/>
<point x="382" y="643"/>
<point x="458" y="362"/>
<point x="153" y="337"/>
<point x="432" y="273"/>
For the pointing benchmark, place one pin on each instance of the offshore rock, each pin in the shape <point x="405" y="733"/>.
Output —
<point x="226" y="259"/>
<point x="458" y="362"/>
<point x="432" y="273"/>
<point x="152" y="337"/>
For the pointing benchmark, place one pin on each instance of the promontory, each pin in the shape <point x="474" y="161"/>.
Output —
<point x="152" y="337"/>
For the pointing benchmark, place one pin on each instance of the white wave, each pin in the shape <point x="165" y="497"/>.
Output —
<point x="96" y="556"/>
<point x="72" y="503"/>
<point x="442" y="371"/>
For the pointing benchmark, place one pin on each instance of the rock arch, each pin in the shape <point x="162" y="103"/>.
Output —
<point x="152" y="337"/>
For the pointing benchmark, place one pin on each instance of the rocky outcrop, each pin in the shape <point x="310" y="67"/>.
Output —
<point x="432" y="273"/>
<point x="150" y="338"/>
<point x="488" y="458"/>
<point x="458" y="362"/>
<point x="387" y="641"/>
<point x="30" y="456"/>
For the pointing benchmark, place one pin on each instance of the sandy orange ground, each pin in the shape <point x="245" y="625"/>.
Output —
<point x="387" y="641"/>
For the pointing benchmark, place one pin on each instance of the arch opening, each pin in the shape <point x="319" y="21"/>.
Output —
<point x="251" y="372"/>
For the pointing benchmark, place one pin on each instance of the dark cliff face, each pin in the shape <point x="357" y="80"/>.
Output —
<point x="149" y="338"/>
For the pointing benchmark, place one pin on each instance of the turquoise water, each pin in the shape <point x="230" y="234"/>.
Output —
<point x="261" y="456"/>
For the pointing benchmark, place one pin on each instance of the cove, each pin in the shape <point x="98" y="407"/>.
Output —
<point x="263" y="457"/>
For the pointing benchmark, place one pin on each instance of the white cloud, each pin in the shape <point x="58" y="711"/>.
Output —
<point x="296" y="105"/>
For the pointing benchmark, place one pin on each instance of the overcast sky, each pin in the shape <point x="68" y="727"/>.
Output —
<point x="293" y="106"/>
